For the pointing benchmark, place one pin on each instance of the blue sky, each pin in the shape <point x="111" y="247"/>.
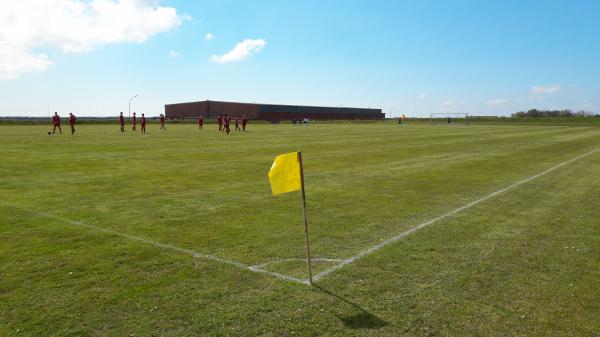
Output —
<point x="407" y="57"/>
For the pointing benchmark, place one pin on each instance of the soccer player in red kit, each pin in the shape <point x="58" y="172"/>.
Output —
<point x="226" y="121"/>
<point x="122" y="122"/>
<point x="143" y="123"/>
<point x="56" y="123"/>
<point x="200" y="122"/>
<point x="72" y="120"/>
<point x="244" y="122"/>
<point x="237" y="124"/>
<point x="162" y="122"/>
<point x="220" y="122"/>
<point x="133" y="122"/>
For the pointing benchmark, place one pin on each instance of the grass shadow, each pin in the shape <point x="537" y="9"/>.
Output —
<point x="361" y="320"/>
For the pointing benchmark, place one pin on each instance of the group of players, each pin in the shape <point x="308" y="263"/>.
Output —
<point x="142" y="122"/>
<point x="56" y="123"/>
<point x="222" y="121"/>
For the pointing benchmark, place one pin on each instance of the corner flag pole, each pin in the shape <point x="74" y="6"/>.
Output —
<point x="306" y="236"/>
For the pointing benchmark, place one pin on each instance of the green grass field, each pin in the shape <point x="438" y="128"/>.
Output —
<point x="109" y="234"/>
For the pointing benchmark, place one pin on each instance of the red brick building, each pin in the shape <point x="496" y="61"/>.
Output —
<point x="273" y="113"/>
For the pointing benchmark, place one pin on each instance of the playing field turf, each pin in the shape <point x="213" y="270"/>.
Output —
<point x="191" y="230"/>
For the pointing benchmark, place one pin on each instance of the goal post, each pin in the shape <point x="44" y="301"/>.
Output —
<point x="449" y="118"/>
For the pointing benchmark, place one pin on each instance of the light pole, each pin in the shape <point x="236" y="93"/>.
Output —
<point x="131" y="99"/>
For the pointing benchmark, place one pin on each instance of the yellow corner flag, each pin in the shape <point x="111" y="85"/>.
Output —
<point x="287" y="175"/>
<point x="284" y="175"/>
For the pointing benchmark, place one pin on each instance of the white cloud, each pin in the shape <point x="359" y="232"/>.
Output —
<point x="541" y="90"/>
<point x="14" y="62"/>
<point x="421" y="96"/>
<point x="497" y="101"/>
<point x="73" y="26"/>
<point x="174" y="54"/>
<point x="241" y="51"/>
<point x="209" y="36"/>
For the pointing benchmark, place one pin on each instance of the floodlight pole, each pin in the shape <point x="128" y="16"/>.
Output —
<point x="306" y="234"/>
<point x="131" y="99"/>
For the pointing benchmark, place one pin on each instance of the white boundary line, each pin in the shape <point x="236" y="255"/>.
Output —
<point x="314" y="259"/>
<point x="389" y="241"/>
<point x="260" y="268"/>
<point x="185" y="251"/>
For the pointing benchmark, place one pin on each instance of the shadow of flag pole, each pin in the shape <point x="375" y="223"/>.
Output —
<point x="306" y="233"/>
<point x="287" y="175"/>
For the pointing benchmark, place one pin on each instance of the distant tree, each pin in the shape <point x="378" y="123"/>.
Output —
<point x="550" y="113"/>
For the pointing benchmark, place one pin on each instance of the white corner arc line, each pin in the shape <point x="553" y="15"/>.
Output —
<point x="389" y="241"/>
<point x="163" y="245"/>
<point x="314" y="259"/>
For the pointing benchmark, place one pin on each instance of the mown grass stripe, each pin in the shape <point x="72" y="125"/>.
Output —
<point x="422" y="225"/>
